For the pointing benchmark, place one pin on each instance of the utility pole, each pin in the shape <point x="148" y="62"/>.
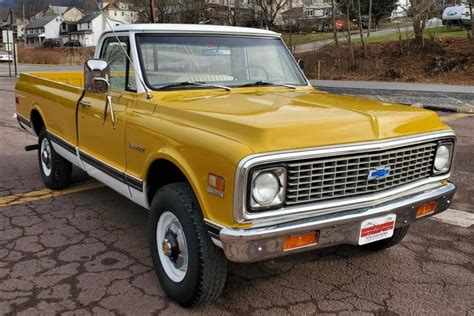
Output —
<point x="13" y="42"/>
<point x="152" y="11"/>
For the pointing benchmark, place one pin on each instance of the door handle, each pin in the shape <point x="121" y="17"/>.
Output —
<point x="85" y="104"/>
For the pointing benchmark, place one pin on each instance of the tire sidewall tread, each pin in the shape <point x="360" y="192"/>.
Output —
<point x="207" y="265"/>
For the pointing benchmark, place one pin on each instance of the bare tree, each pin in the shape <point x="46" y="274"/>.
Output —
<point x="471" y="10"/>
<point x="370" y="18"/>
<point x="334" y="28"/>
<point x="419" y="12"/>
<point x="270" y="9"/>
<point x="360" y="28"/>
<point x="152" y="11"/>
<point x="348" y="4"/>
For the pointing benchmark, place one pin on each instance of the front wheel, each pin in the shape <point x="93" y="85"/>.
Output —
<point x="55" y="170"/>
<point x="190" y="268"/>
<point x="398" y="236"/>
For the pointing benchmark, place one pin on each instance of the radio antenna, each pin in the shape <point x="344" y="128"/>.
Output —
<point x="149" y="96"/>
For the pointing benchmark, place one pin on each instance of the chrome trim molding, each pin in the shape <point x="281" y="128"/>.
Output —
<point x="246" y="164"/>
<point x="256" y="244"/>
<point x="100" y="170"/>
<point x="25" y="123"/>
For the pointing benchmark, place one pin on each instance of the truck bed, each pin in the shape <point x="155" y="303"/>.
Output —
<point x="54" y="95"/>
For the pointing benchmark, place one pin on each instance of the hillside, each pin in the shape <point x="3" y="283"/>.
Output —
<point x="447" y="60"/>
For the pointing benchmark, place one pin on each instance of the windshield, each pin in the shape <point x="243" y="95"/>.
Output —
<point x="220" y="60"/>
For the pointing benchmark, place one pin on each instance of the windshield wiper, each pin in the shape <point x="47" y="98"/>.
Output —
<point x="266" y="83"/>
<point x="192" y="83"/>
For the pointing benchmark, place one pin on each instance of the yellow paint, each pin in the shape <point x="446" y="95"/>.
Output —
<point x="211" y="130"/>
<point x="454" y="117"/>
<point x="45" y="194"/>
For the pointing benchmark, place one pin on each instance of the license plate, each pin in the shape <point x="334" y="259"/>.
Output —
<point x="378" y="228"/>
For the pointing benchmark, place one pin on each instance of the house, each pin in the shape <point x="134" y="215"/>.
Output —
<point x="90" y="27"/>
<point x="71" y="16"/>
<point x="50" y="10"/>
<point x="42" y="28"/>
<point x="120" y="11"/>
<point x="309" y="15"/>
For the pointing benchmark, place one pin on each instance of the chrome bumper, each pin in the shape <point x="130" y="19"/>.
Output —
<point x="256" y="244"/>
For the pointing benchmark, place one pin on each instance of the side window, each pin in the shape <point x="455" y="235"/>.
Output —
<point x="121" y="76"/>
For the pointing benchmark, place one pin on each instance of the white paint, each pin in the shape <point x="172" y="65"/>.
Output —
<point x="455" y="217"/>
<point x="193" y="28"/>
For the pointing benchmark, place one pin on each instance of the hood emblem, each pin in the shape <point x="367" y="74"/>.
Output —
<point x="379" y="173"/>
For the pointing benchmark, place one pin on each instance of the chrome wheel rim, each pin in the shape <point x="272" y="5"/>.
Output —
<point x="45" y="154"/>
<point x="172" y="246"/>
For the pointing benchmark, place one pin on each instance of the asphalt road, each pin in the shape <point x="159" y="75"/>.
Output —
<point x="86" y="253"/>
<point x="453" y="98"/>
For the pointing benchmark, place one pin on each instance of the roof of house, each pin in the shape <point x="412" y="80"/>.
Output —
<point x="113" y="5"/>
<point x="194" y="28"/>
<point x="89" y="17"/>
<point x="57" y="9"/>
<point x="41" y="21"/>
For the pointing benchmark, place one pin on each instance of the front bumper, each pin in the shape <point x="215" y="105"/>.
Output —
<point x="256" y="244"/>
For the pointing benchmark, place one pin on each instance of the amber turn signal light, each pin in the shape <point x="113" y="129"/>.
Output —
<point x="298" y="241"/>
<point x="216" y="185"/>
<point x="426" y="209"/>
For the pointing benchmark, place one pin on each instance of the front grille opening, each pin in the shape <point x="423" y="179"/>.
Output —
<point x="326" y="178"/>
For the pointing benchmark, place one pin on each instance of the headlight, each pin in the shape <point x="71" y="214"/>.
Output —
<point x="268" y="188"/>
<point x="443" y="158"/>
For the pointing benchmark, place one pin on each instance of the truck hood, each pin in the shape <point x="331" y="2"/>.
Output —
<point x="273" y="119"/>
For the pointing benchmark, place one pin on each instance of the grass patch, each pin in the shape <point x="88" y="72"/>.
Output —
<point x="60" y="55"/>
<point x="436" y="32"/>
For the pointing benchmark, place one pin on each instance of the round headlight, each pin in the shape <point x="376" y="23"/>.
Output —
<point x="442" y="158"/>
<point x="265" y="188"/>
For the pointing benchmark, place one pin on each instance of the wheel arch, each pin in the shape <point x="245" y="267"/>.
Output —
<point x="170" y="168"/>
<point x="37" y="120"/>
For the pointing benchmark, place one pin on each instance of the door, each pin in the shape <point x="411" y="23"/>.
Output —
<point x="102" y="138"/>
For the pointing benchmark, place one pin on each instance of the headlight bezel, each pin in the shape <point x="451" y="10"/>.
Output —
<point x="447" y="169"/>
<point x="281" y="173"/>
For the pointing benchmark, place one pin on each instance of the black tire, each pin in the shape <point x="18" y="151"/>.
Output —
<point x="398" y="236"/>
<point x="207" y="266"/>
<point x="61" y="169"/>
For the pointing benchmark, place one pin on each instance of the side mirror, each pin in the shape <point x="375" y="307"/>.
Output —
<point x="96" y="76"/>
<point x="301" y="63"/>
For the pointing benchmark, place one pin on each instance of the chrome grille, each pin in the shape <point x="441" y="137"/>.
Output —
<point x="336" y="177"/>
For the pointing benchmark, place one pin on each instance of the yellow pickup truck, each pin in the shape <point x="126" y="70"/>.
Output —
<point x="217" y="132"/>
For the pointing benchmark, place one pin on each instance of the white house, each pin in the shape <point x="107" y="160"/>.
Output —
<point x="90" y="27"/>
<point x="71" y="16"/>
<point x="120" y="11"/>
<point x="43" y="28"/>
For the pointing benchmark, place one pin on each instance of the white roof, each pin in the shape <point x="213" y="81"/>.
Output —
<point x="193" y="28"/>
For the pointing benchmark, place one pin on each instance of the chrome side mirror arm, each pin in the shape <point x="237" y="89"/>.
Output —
<point x="108" y="103"/>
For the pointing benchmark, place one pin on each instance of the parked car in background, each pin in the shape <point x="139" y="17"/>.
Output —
<point x="72" y="43"/>
<point x="5" y="56"/>
<point x="457" y="15"/>
<point x="52" y="42"/>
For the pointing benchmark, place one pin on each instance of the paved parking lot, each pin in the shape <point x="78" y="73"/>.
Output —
<point x="85" y="252"/>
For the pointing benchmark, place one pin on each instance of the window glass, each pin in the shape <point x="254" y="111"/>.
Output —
<point x="227" y="60"/>
<point x="120" y="76"/>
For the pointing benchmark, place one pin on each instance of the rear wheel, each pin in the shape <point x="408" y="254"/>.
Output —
<point x="55" y="170"/>
<point x="398" y="235"/>
<point x="190" y="268"/>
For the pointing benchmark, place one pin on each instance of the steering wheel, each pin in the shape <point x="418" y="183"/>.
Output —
<point x="261" y="68"/>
